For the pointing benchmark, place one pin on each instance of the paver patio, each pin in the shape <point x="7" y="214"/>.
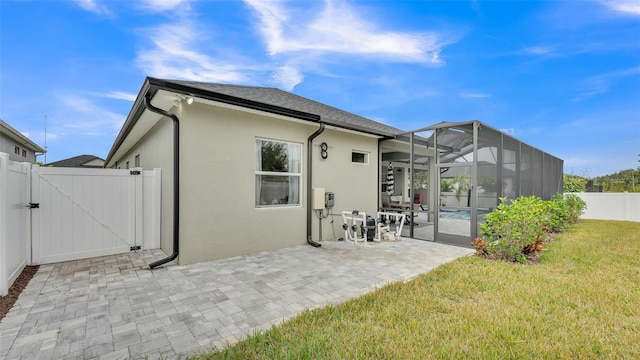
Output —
<point x="116" y="308"/>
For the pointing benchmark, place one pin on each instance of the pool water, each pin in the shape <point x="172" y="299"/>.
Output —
<point x="459" y="214"/>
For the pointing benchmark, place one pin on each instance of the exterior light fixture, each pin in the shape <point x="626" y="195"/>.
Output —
<point x="180" y="98"/>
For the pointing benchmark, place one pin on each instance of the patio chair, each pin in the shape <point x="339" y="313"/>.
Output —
<point x="418" y="199"/>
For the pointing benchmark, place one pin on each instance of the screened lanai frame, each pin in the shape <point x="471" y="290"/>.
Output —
<point x="481" y="164"/>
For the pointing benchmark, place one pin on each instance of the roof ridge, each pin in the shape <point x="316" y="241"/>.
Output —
<point x="224" y="84"/>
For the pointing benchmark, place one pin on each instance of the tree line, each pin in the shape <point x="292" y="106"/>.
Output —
<point x="625" y="180"/>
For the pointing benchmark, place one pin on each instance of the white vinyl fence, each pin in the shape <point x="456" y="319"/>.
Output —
<point x="15" y="220"/>
<point x="61" y="214"/>
<point x="611" y="206"/>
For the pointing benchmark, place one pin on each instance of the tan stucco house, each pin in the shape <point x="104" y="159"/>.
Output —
<point x="19" y="147"/>
<point x="239" y="164"/>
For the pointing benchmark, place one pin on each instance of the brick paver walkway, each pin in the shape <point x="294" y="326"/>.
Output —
<point x="116" y="308"/>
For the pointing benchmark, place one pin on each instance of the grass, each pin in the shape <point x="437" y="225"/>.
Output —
<point x="581" y="301"/>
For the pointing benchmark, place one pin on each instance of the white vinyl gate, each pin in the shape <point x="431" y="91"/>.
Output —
<point x="59" y="214"/>
<point x="15" y="226"/>
<point x="84" y="213"/>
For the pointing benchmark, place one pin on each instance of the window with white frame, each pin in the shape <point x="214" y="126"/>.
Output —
<point x="16" y="149"/>
<point x="360" y="157"/>
<point x="278" y="173"/>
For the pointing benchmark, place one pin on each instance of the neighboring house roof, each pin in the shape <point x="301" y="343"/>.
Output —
<point x="19" y="138"/>
<point x="266" y="99"/>
<point x="79" y="161"/>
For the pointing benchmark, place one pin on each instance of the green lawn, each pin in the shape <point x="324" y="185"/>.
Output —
<point x="581" y="301"/>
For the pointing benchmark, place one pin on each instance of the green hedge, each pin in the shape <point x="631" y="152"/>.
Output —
<point x="516" y="230"/>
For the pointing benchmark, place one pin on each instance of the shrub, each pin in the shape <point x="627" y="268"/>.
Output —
<point x="513" y="226"/>
<point x="480" y="246"/>
<point x="516" y="229"/>
<point x="559" y="216"/>
<point x="575" y="206"/>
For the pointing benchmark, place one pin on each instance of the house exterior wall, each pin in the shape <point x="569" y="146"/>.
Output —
<point x="8" y="144"/>
<point x="354" y="185"/>
<point x="218" y="215"/>
<point x="219" y="218"/>
<point x="156" y="151"/>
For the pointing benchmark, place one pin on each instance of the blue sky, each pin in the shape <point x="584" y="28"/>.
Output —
<point x="563" y="76"/>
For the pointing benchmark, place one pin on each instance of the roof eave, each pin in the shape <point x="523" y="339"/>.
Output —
<point x="132" y="118"/>
<point x="160" y="84"/>
<point x="23" y="140"/>
<point x="152" y="85"/>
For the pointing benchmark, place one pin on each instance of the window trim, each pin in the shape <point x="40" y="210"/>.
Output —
<point x="282" y="174"/>
<point x="16" y="150"/>
<point x="366" y="154"/>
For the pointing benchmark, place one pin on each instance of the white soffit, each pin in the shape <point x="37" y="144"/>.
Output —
<point x="146" y="121"/>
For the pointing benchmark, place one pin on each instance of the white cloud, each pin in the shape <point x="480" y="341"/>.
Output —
<point x="287" y="77"/>
<point x="577" y="161"/>
<point x="473" y="95"/>
<point x="38" y="136"/>
<point x="186" y="51"/>
<point x="583" y="161"/>
<point x="272" y="16"/>
<point x="339" y="28"/>
<point x="93" y="6"/>
<point x="84" y="117"/>
<point x="594" y="87"/>
<point x="118" y="95"/>
<point x="174" y="55"/>
<point x="538" y="50"/>
<point x="602" y="83"/>
<point x="627" y="72"/>
<point x="165" y="5"/>
<point x="626" y="7"/>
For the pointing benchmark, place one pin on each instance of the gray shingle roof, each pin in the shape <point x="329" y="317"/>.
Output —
<point x="76" y="161"/>
<point x="276" y="97"/>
